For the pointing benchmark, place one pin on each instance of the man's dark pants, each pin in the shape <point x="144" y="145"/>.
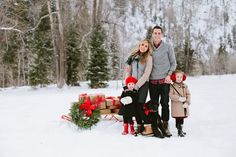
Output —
<point x="161" y="91"/>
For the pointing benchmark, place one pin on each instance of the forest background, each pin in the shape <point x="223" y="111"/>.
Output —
<point x="65" y="42"/>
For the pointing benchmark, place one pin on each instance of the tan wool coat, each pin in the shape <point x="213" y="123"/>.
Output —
<point x="177" y="109"/>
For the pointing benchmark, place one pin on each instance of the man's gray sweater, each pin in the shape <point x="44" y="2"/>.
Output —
<point x="164" y="62"/>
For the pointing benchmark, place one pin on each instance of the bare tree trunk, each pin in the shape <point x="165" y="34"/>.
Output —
<point x="99" y="12"/>
<point x="94" y="12"/>
<point x="22" y="59"/>
<point x="3" y="76"/>
<point x="61" y="48"/>
<point x="19" y="67"/>
<point x="53" y="39"/>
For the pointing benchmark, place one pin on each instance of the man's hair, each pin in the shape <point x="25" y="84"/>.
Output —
<point x="157" y="27"/>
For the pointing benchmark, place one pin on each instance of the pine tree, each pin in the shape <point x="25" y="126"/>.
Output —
<point x="222" y="59"/>
<point x="149" y="33"/>
<point x="185" y="58"/>
<point x="9" y="60"/>
<point x="234" y="37"/>
<point x="98" y="71"/>
<point x="42" y="53"/>
<point x="73" y="58"/>
<point x="39" y="72"/>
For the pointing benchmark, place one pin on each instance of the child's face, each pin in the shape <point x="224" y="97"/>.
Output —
<point x="130" y="85"/>
<point x="179" y="77"/>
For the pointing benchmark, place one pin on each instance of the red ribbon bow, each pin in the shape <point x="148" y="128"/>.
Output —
<point x="84" y="96"/>
<point x="87" y="107"/>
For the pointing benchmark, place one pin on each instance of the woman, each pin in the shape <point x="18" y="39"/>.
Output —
<point x="140" y="67"/>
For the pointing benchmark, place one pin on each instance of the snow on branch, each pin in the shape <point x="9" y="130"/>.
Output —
<point x="10" y="29"/>
<point x="40" y="20"/>
<point x="32" y="29"/>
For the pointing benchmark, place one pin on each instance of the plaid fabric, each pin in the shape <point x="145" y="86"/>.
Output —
<point x="159" y="81"/>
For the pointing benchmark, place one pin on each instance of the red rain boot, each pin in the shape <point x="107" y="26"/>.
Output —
<point x="132" y="131"/>
<point x="125" y="132"/>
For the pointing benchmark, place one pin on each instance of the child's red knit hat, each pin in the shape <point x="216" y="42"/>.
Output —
<point x="131" y="79"/>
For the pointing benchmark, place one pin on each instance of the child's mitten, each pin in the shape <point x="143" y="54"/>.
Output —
<point x="126" y="100"/>
<point x="185" y="105"/>
<point x="182" y="99"/>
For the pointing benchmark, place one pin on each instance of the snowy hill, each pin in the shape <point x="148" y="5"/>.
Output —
<point x="30" y="124"/>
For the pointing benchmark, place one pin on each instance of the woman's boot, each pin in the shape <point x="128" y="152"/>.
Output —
<point x="147" y="130"/>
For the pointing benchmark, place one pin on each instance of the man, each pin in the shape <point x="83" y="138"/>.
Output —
<point x="164" y="63"/>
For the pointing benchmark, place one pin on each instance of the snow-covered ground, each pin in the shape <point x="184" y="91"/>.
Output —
<point x="30" y="124"/>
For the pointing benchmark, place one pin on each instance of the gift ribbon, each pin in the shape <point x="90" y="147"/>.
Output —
<point x="111" y="98"/>
<point x="84" y="95"/>
<point x="87" y="107"/>
<point x="99" y="100"/>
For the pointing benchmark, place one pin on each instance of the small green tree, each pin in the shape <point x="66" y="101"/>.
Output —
<point x="149" y="33"/>
<point x="222" y="60"/>
<point x="73" y="58"/>
<point x="42" y="54"/>
<point x="10" y="60"/>
<point x="98" y="71"/>
<point x="186" y="58"/>
<point x="39" y="71"/>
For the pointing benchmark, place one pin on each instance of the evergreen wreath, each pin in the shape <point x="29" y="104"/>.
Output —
<point x="84" y="115"/>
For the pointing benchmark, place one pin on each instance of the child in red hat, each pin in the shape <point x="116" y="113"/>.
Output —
<point x="180" y="100"/>
<point x="129" y="98"/>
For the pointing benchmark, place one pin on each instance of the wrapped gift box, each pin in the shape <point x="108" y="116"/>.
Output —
<point x="105" y="111"/>
<point x="115" y="110"/>
<point x="94" y="98"/>
<point x="112" y="107"/>
<point x="112" y="101"/>
<point x="109" y="102"/>
<point x="102" y="105"/>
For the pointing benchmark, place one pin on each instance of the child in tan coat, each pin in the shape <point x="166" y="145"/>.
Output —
<point x="180" y="100"/>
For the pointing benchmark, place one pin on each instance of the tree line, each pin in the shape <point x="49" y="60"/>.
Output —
<point x="64" y="42"/>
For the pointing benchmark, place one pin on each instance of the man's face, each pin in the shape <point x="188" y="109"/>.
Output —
<point x="130" y="85"/>
<point x="157" y="35"/>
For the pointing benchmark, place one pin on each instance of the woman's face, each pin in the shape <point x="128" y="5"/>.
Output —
<point x="143" y="46"/>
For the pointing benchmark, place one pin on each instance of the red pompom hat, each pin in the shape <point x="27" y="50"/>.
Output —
<point x="131" y="79"/>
